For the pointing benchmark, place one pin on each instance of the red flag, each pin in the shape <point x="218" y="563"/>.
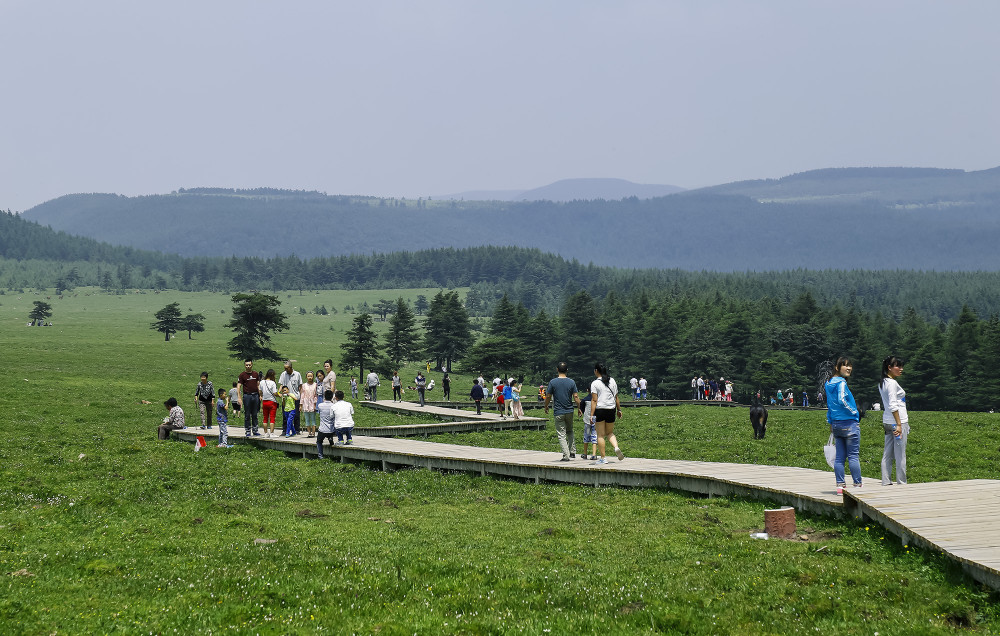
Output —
<point x="199" y="443"/>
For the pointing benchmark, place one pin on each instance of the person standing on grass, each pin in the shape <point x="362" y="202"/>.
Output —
<point x="446" y="387"/>
<point x="325" y="410"/>
<point x="222" y="417"/>
<point x="174" y="421"/>
<point x="563" y="394"/>
<point x="354" y="387"/>
<point x="204" y="394"/>
<point x="397" y="387"/>
<point x="477" y="396"/>
<point x="249" y="397"/>
<point x="607" y="409"/>
<point x="269" y="396"/>
<point x="343" y="418"/>
<point x="307" y="402"/>
<point x="895" y="421"/>
<point x="844" y="418"/>
<point x="292" y="379"/>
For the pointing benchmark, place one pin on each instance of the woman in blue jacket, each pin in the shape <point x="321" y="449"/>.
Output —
<point x="842" y="414"/>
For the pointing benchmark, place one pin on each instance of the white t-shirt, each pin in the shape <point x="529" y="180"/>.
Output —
<point x="325" y="410"/>
<point x="605" y="394"/>
<point x="894" y="399"/>
<point x="343" y="415"/>
<point x="268" y="390"/>
<point x="633" y="383"/>
<point x="642" y="384"/>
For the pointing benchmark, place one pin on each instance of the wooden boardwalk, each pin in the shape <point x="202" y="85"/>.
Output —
<point x="961" y="519"/>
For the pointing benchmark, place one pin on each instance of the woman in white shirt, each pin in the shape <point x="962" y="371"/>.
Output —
<point x="894" y="420"/>
<point x="269" y="397"/>
<point x="607" y="408"/>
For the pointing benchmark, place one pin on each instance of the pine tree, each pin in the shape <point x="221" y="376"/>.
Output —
<point x="401" y="342"/>
<point x="582" y="343"/>
<point x="193" y="322"/>
<point x="41" y="311"/>
<point x="361" y="345"/>
<point x="255" y="317"/>
<point x="448" y="335"/>
<point x="168" y="320"/>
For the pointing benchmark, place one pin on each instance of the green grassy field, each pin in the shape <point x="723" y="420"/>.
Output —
<point x="105" y="530"/>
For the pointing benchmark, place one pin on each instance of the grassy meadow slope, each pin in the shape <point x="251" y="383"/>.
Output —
<point x="105" y="530"/>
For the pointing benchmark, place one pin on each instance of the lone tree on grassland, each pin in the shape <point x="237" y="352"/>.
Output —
<point x="193" y="322"/>
<point x="168" y="320"/>
<point x="255" y="317"/>
<point x="41" y="311"/>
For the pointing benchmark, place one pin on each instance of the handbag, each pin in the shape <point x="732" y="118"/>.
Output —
<point x="830" y="451"/>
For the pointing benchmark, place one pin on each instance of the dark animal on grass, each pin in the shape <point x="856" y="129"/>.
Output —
<point x="758" y="419"/>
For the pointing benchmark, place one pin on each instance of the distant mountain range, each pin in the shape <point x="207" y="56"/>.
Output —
<point x="871" y="218"/>
<point x="571" y="190"/>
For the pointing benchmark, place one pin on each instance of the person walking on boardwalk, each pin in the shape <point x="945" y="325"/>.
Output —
<point x="563" y="394"/>
<point x="508" y="397"/>
<point x="606" y="408"/>
<point x="204" y="394"/>
<point x="895" y="421"/>
<point x="477" y="396"/>
<point x="249" y="396"/>
<point x="515" y="391"/>
<point x="372" y="383"/>
<point x="421" y="383"/>
<point x="844" y="419"/>
<point x="397" y="387"/>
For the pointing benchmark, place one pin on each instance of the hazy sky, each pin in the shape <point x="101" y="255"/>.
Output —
<point x="423" y="97"/>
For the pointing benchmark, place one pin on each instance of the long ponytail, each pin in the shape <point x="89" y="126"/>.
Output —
<point x="603" y="370"/>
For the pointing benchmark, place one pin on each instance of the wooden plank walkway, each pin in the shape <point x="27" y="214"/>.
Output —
<point x="961" y="518"/>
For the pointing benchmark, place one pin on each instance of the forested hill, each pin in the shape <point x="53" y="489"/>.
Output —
<point x="856" y="218"/>
<point x="896" y="187"/>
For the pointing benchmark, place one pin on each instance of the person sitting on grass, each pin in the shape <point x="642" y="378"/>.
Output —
<point x="288" y="404"/>
<point x="174" y="421"/>
<point x="222" y="418"/>
<point x="343" y="419"/>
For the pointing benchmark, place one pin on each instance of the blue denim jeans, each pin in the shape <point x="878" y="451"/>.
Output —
<point x="847" y="437"/>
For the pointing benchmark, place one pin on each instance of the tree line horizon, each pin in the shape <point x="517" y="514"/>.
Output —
<point x="752" y="327"/>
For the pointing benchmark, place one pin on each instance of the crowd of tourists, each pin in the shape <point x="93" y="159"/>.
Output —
<point x="313" y="407"/>
<point x="310" y="406"/>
